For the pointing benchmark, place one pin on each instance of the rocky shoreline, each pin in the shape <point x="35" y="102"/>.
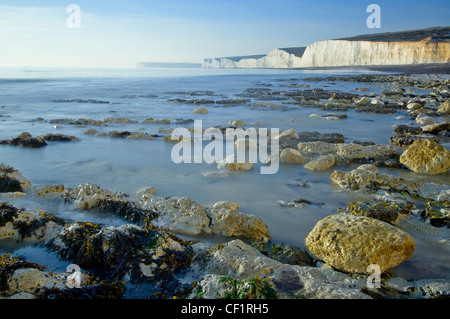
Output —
<point x="154" y="248"/>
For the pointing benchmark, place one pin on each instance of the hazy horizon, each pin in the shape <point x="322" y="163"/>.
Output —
<point x="124" y="33"/>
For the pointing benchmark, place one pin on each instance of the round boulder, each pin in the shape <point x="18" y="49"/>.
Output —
<point x="352" y="243"/>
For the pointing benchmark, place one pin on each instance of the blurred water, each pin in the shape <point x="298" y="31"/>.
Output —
<point x="128" y="165"/>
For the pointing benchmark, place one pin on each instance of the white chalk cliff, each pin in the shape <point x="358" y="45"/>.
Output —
<point x="358" y="51"/>
<point x="277" y="58"/>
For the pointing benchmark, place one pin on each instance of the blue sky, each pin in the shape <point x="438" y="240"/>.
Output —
<point x="121" y="33"/>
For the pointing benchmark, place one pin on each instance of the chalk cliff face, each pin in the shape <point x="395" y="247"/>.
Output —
<point x="275" y="59"/>
<point x="347" y="53"/>
<point x="357" y="53"/>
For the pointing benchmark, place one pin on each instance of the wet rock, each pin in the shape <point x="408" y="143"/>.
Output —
<point x="436" y="128"/>
<point x="425" y="156"/>
<point x="25" y="140"/>
<point x="406" y="140"/>
<point x="236" y="123"/>
<point x="285" y="254"/>
<point x="185" y="216"/>
<point x="116" y="134"/>
<point x="118" y="120"/>
<point x="91" y="132"/>
<point x="92" y="197"/>
<point x="111" y="248"/>
<point x="355" y="152"/>
<point x="267" y="105"/>
<point x="227" y="221"/>
<point x="367" y="178"/>
<point x="180" y="215"/>
<point x="317" y="147"/>
<point x="8" y="265"/>
<point x="58" y="138"/>
<point x="292" y="156"/>
<point x="81" y="121"/>
<point x="321" y="163"/>
<point x="425" y="120"/>
<point x="387" y="211"/>
<point x="407" y="130"/>
<point x="49" y="191"/>
<point x="444" y="108"/>
<point x="155" y="121"/>
<point x="352" y="243"/>
<point x="140" y="136"/>
<point x="219" y="174"/>
<point x="414" y="105"/>
<point x="231" y="164"/>
<point x="200" y="110"/>
<point x="146" y="191"/>
<point x="362" y="101"/>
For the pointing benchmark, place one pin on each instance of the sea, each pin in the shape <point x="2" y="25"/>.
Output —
<point x="31" y="97"/>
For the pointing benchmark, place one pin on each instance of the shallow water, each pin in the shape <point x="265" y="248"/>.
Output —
<point x="128" y="165"/>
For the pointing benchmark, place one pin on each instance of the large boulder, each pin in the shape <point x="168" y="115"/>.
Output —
<point x="426" y="156"/>
<point x="352" y="243"/>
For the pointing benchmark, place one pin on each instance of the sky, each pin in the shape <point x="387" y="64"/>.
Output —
<point x="121" y="33"/>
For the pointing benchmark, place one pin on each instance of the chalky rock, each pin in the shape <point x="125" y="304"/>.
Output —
<point x="427" y="157"/>
<point x="352" y="243"/>
<point x="292" y="156"/>
<point x="320" y="164"/>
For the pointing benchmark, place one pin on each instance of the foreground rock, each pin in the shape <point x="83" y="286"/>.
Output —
<point x="19" y="225"/>
<point x="352" y="243"/>
<point x="425" y="156"/>
<point x="237" y="270"/>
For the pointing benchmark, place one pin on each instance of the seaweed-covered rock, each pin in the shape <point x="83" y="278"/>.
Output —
<point x="92" y="197"/>
<point x="425" y="156"/>
<point x="352" y="243"/>
<point x="386" y="211"/>
<point x="21" y="225"/>
<point x="58" y="138"/>
<point x="110" y="249"/>
<point x="12" y="180"/>
<point x="26" y="140"/>
<point x="79" y="122"/>
<point x="8" y="265"/>
<point x="21" y="279"/>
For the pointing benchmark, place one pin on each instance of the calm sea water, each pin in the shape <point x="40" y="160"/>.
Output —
<point x="128" y="165"/>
